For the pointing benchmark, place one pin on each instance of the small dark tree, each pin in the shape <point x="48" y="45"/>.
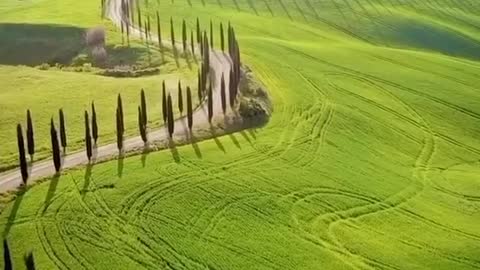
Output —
<point x="189" y="108"/>
<point x="171" y="121"/>
<point x="180" y="98"/>
<point x="172" y="33"/>
<point x="94" y="124"/>
<point x="200" y="96"/>
<point x="141" y="125"/>
<point x="139" y="15"/>
<point x="21" y="154"/>
<point x="120" y="111"/>
<point x="222" y="38"/>
<point x="184" y="35"/>
<point x="119" y="130"/>
<point x="231" y="88"/>
<point x="63" y="134"/>
<point x="55" y="146"/>
<point x="7" y="259"/>
<point x="30" y="136"/>
<point x="29" y="261"/>
<point x="88" y="137"/>
<point x="192" y="44"/>
<point x="223" y="94"/>
<point x="143" y="104"/>
<point x="148" y="28"/>
<point x="211" y="34"/>
<point x="199" y="33"/>
<point x="159" y="32"/>
<point x="210" y="103"/>
<point x="164" y="103"/>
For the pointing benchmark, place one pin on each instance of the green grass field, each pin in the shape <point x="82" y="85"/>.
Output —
<point x="36" y="32"/>
<point x="370" y="160"/>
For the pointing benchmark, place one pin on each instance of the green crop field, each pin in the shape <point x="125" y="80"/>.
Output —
<point x="371" y="159"/>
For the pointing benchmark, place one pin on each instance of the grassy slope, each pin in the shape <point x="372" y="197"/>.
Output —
<point x="369" y="161"/>
<point x="44" y="92"/>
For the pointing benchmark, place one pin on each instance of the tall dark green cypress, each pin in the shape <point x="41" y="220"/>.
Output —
<point x="149" y="28"/>
<point x="164" y="102"/>
<point x="94" y="124"/>
<point x="55" y="147"/>
<point x="180" y="98"/>
<point x="199" y="34"/>
<point x="184" y="35"/>
<point x="119" y="130"/>
<point x="211" y="34"/>
<point x="143" y="104"/>
<point x="21" y="154"/>
<point x="231" y="88"/>
<point x="199" y="87"/>
<point x="192" y="44"/>
<point x="30" y="135"/>
<point x="120" y="111"/>
<point x="7" y="259"/>
<point x="171" y="120"/>
<point x="159" y="32"/>
<point x="210" y="103"/>
<point x="189" y="108"/>
<point x="139" y="14"/>
<point x="63" y="133"/>
<point x="141" y="125"/>
<point x="29" y="261"/>
<point x="172" y="33"/>
<point x="222" y="38"/>
<point x="88" y="137"/>
<point x="223" y="94"/>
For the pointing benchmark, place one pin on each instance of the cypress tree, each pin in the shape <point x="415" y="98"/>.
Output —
<point x="128" y="33"/>
<point x="63" y="134"/>
<point x="199" y="87"/>
<point x="21" y="154"/>
<point x="192" y="45"/>
<point x="164" y="103"/>
<point x="143" y="104"/>
<point x="119" y="130"/>
<point x="88" y="137"/>
<point x="210" y="103"/>
<point x="223" y="94"/>
<point x="141" y="125"/>
<point x="55" y="147"/>
<point x="199" y="35"/>
<point x="139" y="14"/>
<point x="7" y="259"/>
<point x="94" y="124"/>
<point x="171" y="123"/>
<point x="211" y="34"/>
<point x="29" y="261"/>
<point x="159" y="32"/>
<point x="123" y="31"/>
<point x="120" y="111"/>
<point x="180" y="98"/>
<point x="189" y="108"/>
<point x="172" y="33"/>
<point x="149" y="27"/>
<point x="222" y="38"/>
<point x="184" y="35"/>
<point x="231" y="87"/>
<point x="30" y="136"/>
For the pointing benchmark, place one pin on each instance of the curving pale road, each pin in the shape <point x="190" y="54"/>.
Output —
<point x="219" y="62"/>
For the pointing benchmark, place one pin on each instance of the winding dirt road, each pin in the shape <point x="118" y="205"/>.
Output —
<point x="219" y="62"/>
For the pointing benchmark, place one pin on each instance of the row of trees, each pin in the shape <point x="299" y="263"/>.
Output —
<point x="57" y="139"/>
<point x="7" y="259"/>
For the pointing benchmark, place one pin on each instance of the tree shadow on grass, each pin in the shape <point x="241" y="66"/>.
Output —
<point x="120" y="161"/>
<point x="173" y="150"/>
<point x="51" y="192"/>
<point x="14" y="211"/>
<point x="86" y="179"/>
